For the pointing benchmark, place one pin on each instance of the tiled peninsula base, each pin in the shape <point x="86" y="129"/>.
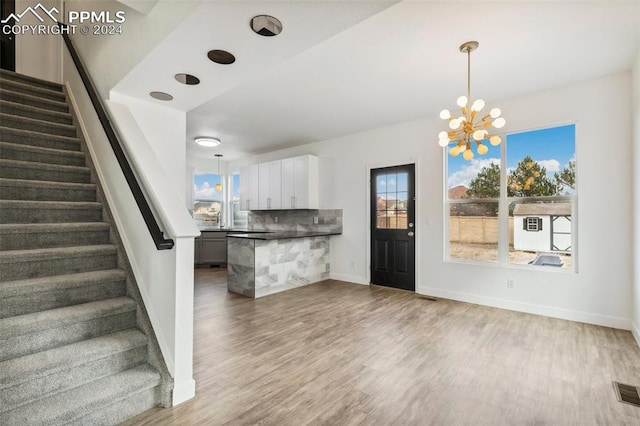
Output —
<point x="257" y="268"/>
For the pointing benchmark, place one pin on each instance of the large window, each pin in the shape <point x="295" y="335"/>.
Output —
<point x="516" y="204"/>
<point x="208" y="200"/>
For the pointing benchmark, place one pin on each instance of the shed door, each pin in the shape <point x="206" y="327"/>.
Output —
<point x="560" y="233"/>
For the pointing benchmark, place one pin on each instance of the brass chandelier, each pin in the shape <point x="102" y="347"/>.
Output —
<point x="465" y="130"/>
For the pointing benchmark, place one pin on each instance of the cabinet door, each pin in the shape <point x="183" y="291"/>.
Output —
<point x="214" y="248"/>
<point x="275" y="184"/>
<point x="245" y="180"/>
<point x="197" y="250"/>
<point x="301" y="182"/>
<point x="287" y="183"/>
<point x="264" y="187"/>
<point x="254" y="187"/>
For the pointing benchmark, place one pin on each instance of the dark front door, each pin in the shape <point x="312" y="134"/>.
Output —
<point x="393" y="227"/>
<point x="7" y="41"/>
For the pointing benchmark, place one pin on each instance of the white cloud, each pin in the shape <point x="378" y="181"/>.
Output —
<point x="551" y="165"/>
<point x="469" y="172"/>
<point x="204" y="192"/>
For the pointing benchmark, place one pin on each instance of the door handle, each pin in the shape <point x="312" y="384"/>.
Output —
<point x="411" y="234"/>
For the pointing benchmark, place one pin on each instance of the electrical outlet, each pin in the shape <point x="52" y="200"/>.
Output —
<point x="353" y="264"/>
<point x="315" y="220"/>
<point x="510" y="283"/>
<point x="275" y="219"/>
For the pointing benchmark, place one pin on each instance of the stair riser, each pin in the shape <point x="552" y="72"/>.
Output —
<point x="37" y="114"/>
<point x="35" y="302"/>
<point x="122" y="410"/>
<point x="21" y="215"/>
<point x="30" y="193"/>
<point x="35" y="240"/>
<point x="57" y="96"/>
<point x="70" y="176"/>
<point x="65" y="335"/>
<point x="21" y="98"/>
<point x="15" y="122"/>
<point x="57" y="266"/>
<point x="65" y="159"/>
<point x="22" y="79"/>
<point x="38" y="139"/>
<point x="26" y="392"/>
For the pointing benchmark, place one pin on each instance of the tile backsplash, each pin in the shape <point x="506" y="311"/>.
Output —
<point x="296" y="220"/>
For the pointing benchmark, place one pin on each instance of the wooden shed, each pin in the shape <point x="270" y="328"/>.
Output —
<point x="542" y="227"/>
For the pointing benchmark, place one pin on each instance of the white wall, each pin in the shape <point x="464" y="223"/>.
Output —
<point x="635" y="76"/>
<point x="38" y="55"/>
<point x="598" y="293"/>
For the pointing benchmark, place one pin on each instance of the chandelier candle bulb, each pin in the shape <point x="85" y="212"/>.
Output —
<point x="465" y="129"/>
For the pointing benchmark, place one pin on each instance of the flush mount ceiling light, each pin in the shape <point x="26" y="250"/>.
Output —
<point x="266" y="25"/>
<point x="218" y="185"/>
<point x="161" y="96"/>
<point x="208" y="142"/>
<point x="465" y="130"/>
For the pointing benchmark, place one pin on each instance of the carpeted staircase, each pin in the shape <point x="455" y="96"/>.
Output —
<point x="72" y="345"/>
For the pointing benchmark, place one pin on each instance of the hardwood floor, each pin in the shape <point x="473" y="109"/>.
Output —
<point x="345" y="354"/>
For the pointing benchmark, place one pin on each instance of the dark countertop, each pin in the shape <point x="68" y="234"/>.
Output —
<point x="217" y="229"/>
<point x="281" y="235"/>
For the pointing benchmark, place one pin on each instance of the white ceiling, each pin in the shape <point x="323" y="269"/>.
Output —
<point x="340" y="67"/>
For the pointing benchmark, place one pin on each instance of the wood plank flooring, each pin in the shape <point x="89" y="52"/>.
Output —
<point x="345" y="354"/>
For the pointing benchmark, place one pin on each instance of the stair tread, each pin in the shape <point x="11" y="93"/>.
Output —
<point x="10" y="75"/>
<point x="43" y="166"/>
<point x="46" y="184"/>
<point x="23" y="228"/>
<point x="94" y="395"/>
<point x="57" y="282"/>
<point x="51" y="204"/>
<point x="19" y="86"/>
<point x="31" y="255"/>
<point x="36" y="109"/>
<point x="39" y="149"/>
<point x="30" y="367"/>
<point x="35" y="121"/>
<point x="30" y="133"/>
<point x="53" y="318"/>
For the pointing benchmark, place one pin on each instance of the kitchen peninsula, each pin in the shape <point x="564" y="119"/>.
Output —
<point x="289" y="254"/>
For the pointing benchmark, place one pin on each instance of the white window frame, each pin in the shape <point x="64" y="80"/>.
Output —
<point x="503" y="210"/>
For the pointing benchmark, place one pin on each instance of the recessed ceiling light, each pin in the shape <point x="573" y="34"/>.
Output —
<point x="187" y="79"/>
<point x="161" y="96"/>
<point x="221" y="57"/>
<point x="266" y="25"/>
<point x="208" y="142"/>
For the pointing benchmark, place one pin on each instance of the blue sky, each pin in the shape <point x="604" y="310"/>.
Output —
<point x="204" y="187"/>
<point x="551" y="147"/>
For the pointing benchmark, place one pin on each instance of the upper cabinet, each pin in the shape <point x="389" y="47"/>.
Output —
<point x="270" y="186"/>
<point x="249" y="187"/>
<point x="300" y="182"/>
<point x="291" y="183"/>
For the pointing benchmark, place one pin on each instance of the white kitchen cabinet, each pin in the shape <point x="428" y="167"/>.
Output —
<point x="270" y="185"/>
<point x="300" y="182"/>
<point x="249" y="187"/>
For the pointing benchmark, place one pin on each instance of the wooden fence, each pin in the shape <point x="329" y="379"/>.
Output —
<point x="476" y="229"/>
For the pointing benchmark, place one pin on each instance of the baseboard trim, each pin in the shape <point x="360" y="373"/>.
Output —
<point x="348" y="278"/>
<point x="183" y="391"/>
<point x="547" y="311"/>
<point x="636" y="332"/>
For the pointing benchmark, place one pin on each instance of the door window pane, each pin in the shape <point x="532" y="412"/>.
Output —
<point x="392" y="201"/>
